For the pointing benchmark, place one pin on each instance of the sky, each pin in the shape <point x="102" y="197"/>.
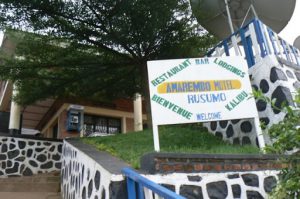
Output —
<point x="292" y="30"/>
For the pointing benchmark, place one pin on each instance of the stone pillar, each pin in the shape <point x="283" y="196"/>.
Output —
<point x="124" y="125"/>
<point x="15" y="116"/>
<point x="138" y="115"/>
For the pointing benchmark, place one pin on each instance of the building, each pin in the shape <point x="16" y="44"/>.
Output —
<point x="60" y="118"/>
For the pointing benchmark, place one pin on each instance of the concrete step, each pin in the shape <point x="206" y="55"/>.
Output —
<point x="37" y="183"/>
<point x="27" y="195"/>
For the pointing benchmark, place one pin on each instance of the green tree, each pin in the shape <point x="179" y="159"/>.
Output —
<point x="128" y="32"/>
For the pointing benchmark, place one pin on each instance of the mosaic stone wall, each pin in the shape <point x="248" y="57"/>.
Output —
<point x="247" y="185"/>
<point x="277" y="81"/>
<point x="82" y="177"/>
<point x="25" y="157"/>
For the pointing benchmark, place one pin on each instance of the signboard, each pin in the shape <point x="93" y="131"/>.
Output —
<point x="200" y="90"/>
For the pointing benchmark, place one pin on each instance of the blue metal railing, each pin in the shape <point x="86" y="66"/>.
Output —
<point x="139" y="187"/>
<point x="257" y="41"/>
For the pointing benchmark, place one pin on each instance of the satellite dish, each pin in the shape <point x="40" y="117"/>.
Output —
<point x="211" y="14"/>
<point x="297" y="42"/>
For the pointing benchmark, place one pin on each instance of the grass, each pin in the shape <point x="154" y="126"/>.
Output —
<point x="182" y="139"/>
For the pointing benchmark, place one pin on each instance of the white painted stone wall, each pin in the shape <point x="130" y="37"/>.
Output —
<point x="255" y="184"/>
<point x="23" y="156"/>
<point x="277" y="81"/>
<point x="82" y="177"/>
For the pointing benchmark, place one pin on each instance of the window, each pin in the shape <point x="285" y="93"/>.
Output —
<point x="101" y="126"/>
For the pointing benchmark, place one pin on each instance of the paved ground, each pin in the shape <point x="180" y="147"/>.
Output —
<point x="26" y="195"/>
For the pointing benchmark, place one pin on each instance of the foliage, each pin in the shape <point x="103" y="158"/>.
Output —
<point x="286" y="140"/>
<point x="182" y="139"/>
<point x="109" y="43"/>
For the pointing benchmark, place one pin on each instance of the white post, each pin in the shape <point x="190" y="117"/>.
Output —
<point x="259" y="132"/>
<point x="155" y="137"/>
<point x="15" y="115"/>
<point x="138" y="115"/>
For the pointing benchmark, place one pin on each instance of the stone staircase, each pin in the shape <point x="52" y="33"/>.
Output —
<point x="40" y="186"/>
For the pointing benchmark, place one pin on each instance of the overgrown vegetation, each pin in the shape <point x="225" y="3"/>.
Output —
<point x="286" y="140"/>
<point x="184" y="139"/>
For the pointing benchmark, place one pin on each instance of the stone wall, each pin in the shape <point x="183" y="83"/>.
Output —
<point x="277" y="80"/>
<point x="88" y="173"/>
<point x="28" y="156"/>
<point x="214" y="176"/>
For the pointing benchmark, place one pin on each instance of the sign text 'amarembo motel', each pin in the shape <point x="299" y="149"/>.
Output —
<point x="200" y="90"/>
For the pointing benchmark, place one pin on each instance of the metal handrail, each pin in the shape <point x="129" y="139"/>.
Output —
<point x="139" y="187"/>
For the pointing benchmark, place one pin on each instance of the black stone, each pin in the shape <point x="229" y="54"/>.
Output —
<point x="3" y="165"/>
<point x="22" y="144"/>
<point x="191" y="191"/>
<point x="254" y="195"/>
<point x="20" y="159"/>
<point x="235" y="121"/>
<point x="264" y="86"/>
<point x="27" y="172"/>
<point x="246" y="127"/>
<point x="169" y="186"/>
<point x="39" y="143"/>
<point x="217" y="190"/>
<point x="56" y="157"/>
<point x="52" y="148"/>
<point x="97" y="180"/>
<point x="290" y="74"/>
<point x="223" y="123"/>
<point x="236" y="141"/>
<point x="254" y="87"/>
<point x="270" y="183"/>
<point x="261" y="105"/>
<point x="219" y="134"/>
<point x="47" y="165"/>
<point x="4" y="148"/>
<point x="39" y="149"/>
<point x="14" y="169"/>
<point x="233" y="176"/>
<point x="103" y="195"/>
<point x="9" y="163"/>
<point x="236" y="190"/>
<point x="29" y="153"/>
<point x="33" y="163"/>
<point x="58" y="165"/>
<point x="47" y="143"/>
<point x="90" y="188"/>
<point x="2" y="157"/>
<point x="83" y="194"/>
<point x="41" y="158"/>
<point x="1" y="173"/>
<point x="297" y="75"/>
<point x="251" y="180"/>
<point x="246" y="140"/>
<point x="194" y="178"/>
<point x="265" y="120"/>
<point x="23" y="152"/>
<point x="117" y="190"/>
<point x="277" y="74"/>
<point x="213" y="126"/>
<point x="229" y="131"/>
<point x="59" y="148"/>
<point x="282" y="95"/>
<point x="88" y="174"/>
<point x="296" y="85"/>
<point x="31" y="143"/>
<point x="12" y="146"/>
<point x="12" y="154"/>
